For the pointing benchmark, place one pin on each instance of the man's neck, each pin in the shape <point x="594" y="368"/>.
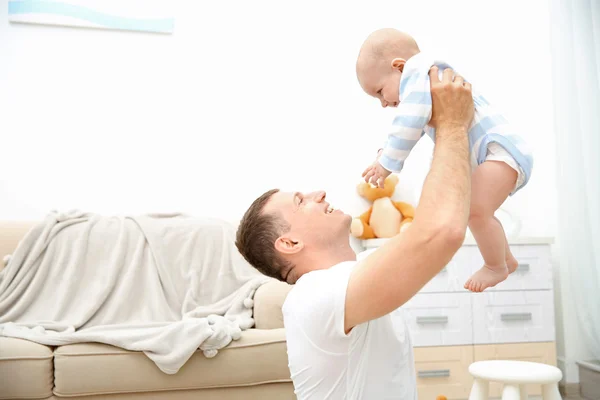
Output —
<point x="327" y="257"/>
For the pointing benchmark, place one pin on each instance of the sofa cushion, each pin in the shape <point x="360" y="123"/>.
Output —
<point x="259" y="356"/>
<point x="25" y="369"/>
<point x="268" y="391"/>
<point x="268" y="301"/>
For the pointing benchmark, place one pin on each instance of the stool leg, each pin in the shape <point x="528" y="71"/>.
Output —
<point x="550" y="392"/>
<point x="511" y="392"/>
<point x="479" y="390"/>
<point x="523" y="390"/>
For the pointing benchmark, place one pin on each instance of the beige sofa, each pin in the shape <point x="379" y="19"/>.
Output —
<point x="254" y="367"/>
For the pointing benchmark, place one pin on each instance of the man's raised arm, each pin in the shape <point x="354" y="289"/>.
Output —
<point x="396" y="271"/>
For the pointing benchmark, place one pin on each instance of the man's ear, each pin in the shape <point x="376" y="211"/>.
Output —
<point x="398" y="63"/>
<point x="287" y="245"/>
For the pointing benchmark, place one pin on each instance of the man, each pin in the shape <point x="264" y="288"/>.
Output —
<point x="342" y="341"/>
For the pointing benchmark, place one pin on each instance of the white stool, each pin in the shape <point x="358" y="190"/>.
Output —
<point x="514" y="375"/>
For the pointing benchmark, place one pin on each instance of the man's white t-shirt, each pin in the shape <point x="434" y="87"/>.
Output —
<point x="373" y="362"/>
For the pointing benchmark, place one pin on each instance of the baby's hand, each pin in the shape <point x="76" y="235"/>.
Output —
<point x="375" y="173"/>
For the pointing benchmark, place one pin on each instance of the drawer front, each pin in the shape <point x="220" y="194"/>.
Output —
<point x="452" y="278"/>
<point x="534" y="270"/>
<point x="544" y="353"/>
<point x="443" y="371"/>
<point x="533" y="273"/>
<point x="439" y="319"/>
<point x="512" y="317"/>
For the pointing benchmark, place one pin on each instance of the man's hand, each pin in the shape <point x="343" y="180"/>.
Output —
<point x="450" y="105"/>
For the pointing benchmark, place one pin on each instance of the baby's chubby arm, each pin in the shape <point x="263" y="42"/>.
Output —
<point x="414" y="112"/>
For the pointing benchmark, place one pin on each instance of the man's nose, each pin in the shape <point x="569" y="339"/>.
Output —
<point x="318" y="196"/>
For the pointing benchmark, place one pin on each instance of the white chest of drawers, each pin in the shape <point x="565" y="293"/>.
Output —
<point x="451" y="327"/>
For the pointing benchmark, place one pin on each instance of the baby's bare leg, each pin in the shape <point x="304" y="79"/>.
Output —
<point x="511" y="261"/>
<point x="491" y="184"/>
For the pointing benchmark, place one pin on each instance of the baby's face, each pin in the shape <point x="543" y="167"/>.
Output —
<point x="382" y="82"/>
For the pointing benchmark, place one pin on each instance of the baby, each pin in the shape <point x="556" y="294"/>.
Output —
<point x="391" y="68"/>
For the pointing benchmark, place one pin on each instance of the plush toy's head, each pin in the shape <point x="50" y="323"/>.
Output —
<point x="373" y="193"/>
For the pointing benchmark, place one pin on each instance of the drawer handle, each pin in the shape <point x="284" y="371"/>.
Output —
<point x="523" y="268"/>
<point x="516" y="317"/>
<point x="435" y="373"/>
<point x="442" y="319"/>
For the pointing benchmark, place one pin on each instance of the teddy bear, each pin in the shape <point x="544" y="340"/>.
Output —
<point x="385" y="217"/>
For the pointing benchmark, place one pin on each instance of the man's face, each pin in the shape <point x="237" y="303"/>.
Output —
<point x="382" y="81"/>
<point x="313" y="222"/>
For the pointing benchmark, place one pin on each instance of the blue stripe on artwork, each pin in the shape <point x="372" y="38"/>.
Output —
<point x="95" y="17"/>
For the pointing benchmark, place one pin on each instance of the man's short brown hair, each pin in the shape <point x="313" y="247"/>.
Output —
<point x="256" y="236"/>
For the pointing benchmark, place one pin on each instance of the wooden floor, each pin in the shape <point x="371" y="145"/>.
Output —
<point x="571" y="396"/>
<point x="563" y="396"/>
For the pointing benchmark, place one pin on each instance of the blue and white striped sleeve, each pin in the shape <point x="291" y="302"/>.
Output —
<point x="414" y="112"/>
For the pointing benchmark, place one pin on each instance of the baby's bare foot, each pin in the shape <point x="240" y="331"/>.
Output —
<point x="486" y="277"/>
<point x="511" y="263"/>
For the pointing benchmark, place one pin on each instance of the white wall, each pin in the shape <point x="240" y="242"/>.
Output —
<point x="239" y="99"/>
<point x="246" y="96"/>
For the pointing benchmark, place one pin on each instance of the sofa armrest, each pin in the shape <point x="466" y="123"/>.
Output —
<point x="268" y="301"/>
<point x="11" y="232"/>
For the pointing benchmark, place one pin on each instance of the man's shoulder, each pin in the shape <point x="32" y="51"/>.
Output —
<point x="315" y="286"/>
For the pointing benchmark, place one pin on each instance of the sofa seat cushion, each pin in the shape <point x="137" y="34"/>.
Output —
<point x="259" y="356"/>
<point x="26" y="370"/>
